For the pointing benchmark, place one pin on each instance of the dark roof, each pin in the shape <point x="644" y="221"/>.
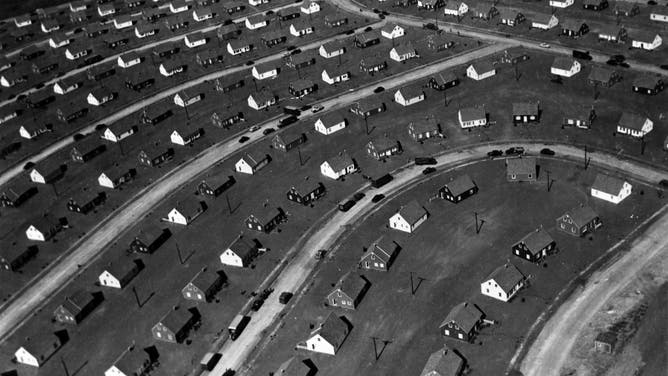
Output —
<point x="404" y="48"/>
<point x="252" y="160"/>
<point x="465" y="315"/>
<point x="460" y="185"/>
<point x="609" y="29"/>
<point x="473" y="113"/>
<point x="444" y="77"/>
<point x="273" y="34"/>
<point x="339" y="162"/>
<point x="411" y="91"/>
<point x="241" y="247"/>
<point x="189" y="206"/>
<point x="562" y="62"/>
<point x="646" y="36"/>
<point x="42" y="343"/>
<point x="542" y="18"/>
<point x="205" y="279"/>
<point x="572" y="24"/>
<point x="525" y="108"/>
<point x="306" y="185"/>
<point x="176" y="319"/>
<point x="632" y="120"/>
<point x="443" y="362"/>
<point x="301" y="84"/>
<point x="101" y="92"/>
<point x="647" y="81"/>
<point x="424" y="124"/>
<point x="44" y="223"/>
<point x="517" y="166"/>
<point x="293" y="367"/>
<point x="508" y="13"/>
<point x="607" y="337"/>
<point x="412" y="212"/>
<point x="537" y="240"/>
<point x="381" y="246"/>
<point x="607" y="184"/>
<point x="483" y="66"/>
<point x="582" y="215"/>
<point x="388" y="28"/>
<point x="333" y="329"/>
<point x="383" y="143"/>
<point x="369" y="103"/>
<point x="332" y="46"/>
<point x="76" y="302"/>
<point x="263" y="96"/>
<point x="366" y="37"/>
<point x="601" y="74"/>
<point x="122" y="268"/>
<point x="331" y="118"/>
<point x="131" y="360"/>
<point x="258" y="18"/>
<point x="506" y="276"/>
<point x="352" y="284"/>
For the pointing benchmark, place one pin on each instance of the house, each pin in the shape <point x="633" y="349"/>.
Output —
<point x="581" y="118"/>
<point x="646" y="40"/>
<point x="458" y="189"/>
<point x="116" y="41"/>
<point x="39" y="100"/>
<point x="544" y="21"/>
<point x="612" y="33"/>
<point x="85" y="150"/>
<point x="185" y="212"/>
<point x="139" y="82"/>
<point x="178" y="6"/>
<point x="274" y="38"/>
<point x="202" y="14"/>
<point x="366" y="39"/>
<point x="106" y="9"/>
<point x="380" y="254"/>
<point x="310" y="7"/>
<point x="31" y="131"/>
<point x="424" y="128"/>
<point x="78" y="17"/>
<point x="626" y="9"/>
<point x="596" y="5"/>
<point x="250" y="164"/>
<point x="574" y="28"/>
<point x="209" y="57"/>
<point x="480" y="70"/>
<point x="338" y="166"/>
<point x="195" y="39"/>
<point x="439" y="42"/>
<point x="658" y="15"/>
<point x="443" y="80"/>
<point x="133" y="362"/>
<point x="301" y="60"/>
<point x="336" y="20"/>
<point x="153" y="115"/>
<point x="302" y="87"/>
<point x="86" y="203"/>
<point x="430" y="4"/>
<point x="155" y="156"/>
<point x="59" y="40"/>
<point x="77" y="6"/>
<point x="382" y="147"/>
<point x="96" y="29"/>
<point x="224" y="120"/>
<point x="404" y="3"/>
<point x="13" y="259"/>
<point x="145" y="29"/>
<point x="118" y="131"/>
<point x="409" y="95"/>
<point x="296" y="367"/>
<point x="472" y="117"/>
<point x="289" y="140"/>
<point x="175" y="325"/>
<point x="100" y="96"/>
<point x="605" y="342"/>
<point x="116" y="177"/>
<point x="77" y="307"/>
<point x="148" y="240"/>
<point x="306" y="191"/>
<point x="301" y="28"/>
<point x="634" y="124"/>
<point x="392" y="31"/>
<point x="335" y="76"/>
<point x="484" y="10"/>
<point x="534" y="246"/>
<point x="213" y="186"/>
<point x="262" y="99"/>
<point x="409" y="217"/>
<point x="444" y="362"/>
<point x="186" y="98"/>
<point x="238" y="46"/>
<point x="331" y="49"/>
<point x="579" y="221"/>
<point x="256" y="3"/>
<point x="128" y="60"/>
<point x="610" y="188"/>
<point x="368" y="106"/>
<point x="256" y="22"/>
<point x="521" y="169"/>
<point x="46" y="174"/>
<point x="372" y="64"/>
<point x="123" y="22"/>
<point x="561" y="3"/>
<point x="503" y="283"/>
<point x="17" y="194"/>
<point x="23" y="20"/>
<point x="167" y="50"/>
<point x="239" y="253"/>
<point x="38" y="349"/>
<point x="330" y="123"/>
<point x="172" y="67"/>
<point x="526" y="112"/>
<point x="510" y="17"/>
<point x="455" y="8"/>
<point x="266" y="221"/>
<point x="650" y="85"/>
<point x="565" y="66"/>
<point x="328" y="337"/>
<point x="66" y="85"/>
<point x="462" y="322"/>
<point x="203" y="286"/>
<point x="349" y="291"/>
<point x="403" y="52"/>
<point x="100" y="72"/>
<point x="227" y="32"/>
<point x="11" y="78"/>
<point x="119" y="275"/>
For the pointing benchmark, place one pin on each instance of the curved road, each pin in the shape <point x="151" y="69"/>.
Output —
<point x="300" y="266"/>
<point x="37" y="292"/>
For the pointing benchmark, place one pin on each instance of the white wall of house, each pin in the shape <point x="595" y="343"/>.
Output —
<point x="104" y="181"/>
<point x="320" y="345"/>
<point x="654" y="44"/>
<point x="471" y="72"/>
<point x="575" y="68"/>
<point x="32" y="233"/>
<point x="243" y="167"/>
<point x="175" y="217"/>
<point x="553" y="22"/>
<point x="613" y="197"/>
<point x="320" y="127"/>
<point x="230" y="258"/>
<point x="561" y="3"/>
<point x="108" y="280"/>
<point x="24" y="357"/>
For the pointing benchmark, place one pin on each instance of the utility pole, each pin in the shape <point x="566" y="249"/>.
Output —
<point x="299" y="151"/>
<point x="587" y="159"/>
<point x="229" y="207"/>
<point x="178" y="252"/>
<point x="366" y="124"/>
<point x="134" y="291"/>
<point x="549" y="183"/>
<point x="445" y="98"/>
<point x="62" y="361"/>
<point x="478" y="225"/>
<point x="412" y="289"/>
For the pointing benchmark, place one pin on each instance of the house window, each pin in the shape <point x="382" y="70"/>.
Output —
<point x="447" y="332"/>
<point x="460" y="335"/>
<point x="187" y="294"/>
<point x="528" y="257"/>
<point x="517" y="251"/>
<point x="158" y="334"/>
<point x="381" y="265"/>
<point x="487" y="291"/>
<point x="512" y="176"/>
<point x="529" y="176"/>
<point x="170" y="337"/>
<point x="562" y="226"/>
<point x="199" y="296"/>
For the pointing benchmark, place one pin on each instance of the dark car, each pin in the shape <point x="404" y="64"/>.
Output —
<point x="515" y="151"/>
<point x="290" y="48"/>
<point x="612" y="62"/>
<point x="376" y="10"/>
<point x="663" y="183"/>
<point x="250" y="62"/>
<point x="257" y="303"/>
<point x="350" y="32"/>
<point x="664" y="66"/>
<point x="345" y="205"/>
<point x="358" y="196"/>
<point x="368" y="28"/>
<point x="268" y="131"/>
<point x="243" y="139"/>
<point x="287" y="121"/>
<point x="495" y="153"/>
<point x="428" y="170"/>
<point x="618" y="58"/>
<point x="295" y="51"/>
<point x="430" y="26"/>
<point x="425" y="161"/>
<point x="28" y="165"/>
<point x="624" y="64"/>
<point x="379" y="89"/>
<point x="547" y="151"/>
<point x="377" y="198"/>
<point x="285" y="297"/>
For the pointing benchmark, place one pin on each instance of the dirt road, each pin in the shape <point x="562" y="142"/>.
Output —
<point x="299" y="268"/>
<point x="551" y="349"/>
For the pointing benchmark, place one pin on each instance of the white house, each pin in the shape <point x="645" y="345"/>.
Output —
<point x="256" y="3"/>
<point x="480" y="70"/>
<point x="171" y="67"/>
<point x="195" y="40"/>
<point x="145" y="30"/>
<point x="610" y="189"/>
<point x="409" y="95"/>
<point x="178" y="6"/>
<point x="561" y="3"/>
<point x="261" y="100"/>
<point x="182" y="215"/>
<point x="265" y="71"/>
<point x="338" y="166"/>
<point x="504" y="283"/>
<point x="409" y="217"/>
<point x="544" y="21"/>
<point x="184" y="98"/>
<point x="328" y="337"/>
<point x="330" y="123"/>
<point x="63" y="87"/>
<point x="58" y="41"/>
<point x="33" y="232"/>
<point x="37" y="349"/>
<point x="392" y="31"/>
<point x="238" y="47"/>
<point x="331" y="49"/>
<point x="310" y="7"/>
<point x="100" y="96"/>
<point x="239" y="253"/>
<point x="75" y="53"/>
<point x="634" y="124"/>
<point x="403" y="52"/>
<point x="23" y="21"/>
<point x="472" y="117"/>
<point x="334" y="76"/>
<point x="202" y="14"/>
<point x="106" y="9"/>
<point x="660" y="17"/>
<point x="256" y="22"/>
<point x="249" y="164"/>
<point x="565" y="66"/>
<point x="32" y="131"/>
<point x="455" y="8"/>
<point x="108" y="280"/>
<point x="37" y="177"/>
<point x="299" y="29"/>
<point x="123" y="22"/>
<point x="186" y="136"/>
<point x="128" y="60"/>
<point x="112" y="135"/>
<point x="646" y="41"/>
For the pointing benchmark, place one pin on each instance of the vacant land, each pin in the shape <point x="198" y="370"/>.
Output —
<point x="452" y="260"/>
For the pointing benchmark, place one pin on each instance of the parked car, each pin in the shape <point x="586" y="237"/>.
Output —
<point x="250" y="62"/>
<point x="287" y="121"/>
<point x="618" y="58"/>
<point x="254" y="128"/>
<point x="612" y="62"/>
<point x="425" y="161"/>
<point x="243" y="139"/>
<point x="320" y="254"/>
<point x="257" y="303"/>
<point x="377" y="198"/>
<point x="547" y="151"/>
<point x="428" y="170"/>
<point x="663" y="183"/>
<point x="345" y="205"/>
<point x="379" y="89"/>
<point x="430" y="26"/>
<point x="664" y="66"/>
<point x="317" y="108"/>
<point x="268" y="131"/>
<point x="624" y="64"/>
<point x="285" y="297"/>
<point x="517" y="150"/>
<point x="358" y="196"/>
<point x="495" y="153"/>
<point x="544" y="45"/>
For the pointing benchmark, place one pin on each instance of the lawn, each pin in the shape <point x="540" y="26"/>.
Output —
<point x="446" y="252"/>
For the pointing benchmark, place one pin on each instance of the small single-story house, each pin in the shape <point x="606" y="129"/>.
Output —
<point x="458" y="189"/>
<point x="444" y="362"/>
<point x="116" y="177"/>
<point x="409" y="95"/>
<point x="392" y="31"/>
<point x="36" y="350"/>
<point x="646" y="40"/>
<point x="480" y="70"/>
<point x="264" y="71"/>
<point x="328" y="337"/>
<point x="250" y="164"/>
<point x="526" y="112"/>
<point x="330" y="123"/>
<point x="603" y="76"/>
<point x="349" y="291"/>
<point x="148" y="240"/>
<point x="544" y="21"/>
<point x="534" y="246"/>
<point x="646" y="84"/>
<point x="185" y="212"/>
<point x="286" y="141"/>
<point x="455" y="8"/>
<point x="510" y="17"/>
<point x="610" y="188"/>
<point x="239" y="253"/>
<point x="424" y="128"/>
<point x="185" y="135"/>
<point x="267" y="220"/>
<point x="403" y="52"/>
<point x="409" y="217"/>
<point x="472" y="116"/>
<point x="565" y="66"/>
<point x="213" y="186"/>
<point x="574" y="28"/>
<point x="335" y="76"/>
<point x="14" y="258"/>
<point x="118" y="275"/>
<point x="175" y="325"/>
<point x="203" y="286"/>
<point x="579" y="221"/>
<point x="462" y="322"/>
<point x="77" y="307"/>
<point x="380" y="254"/>
<point x="634" y="124"/>
<point x="596" y="5"/>
<point x="612" y="33"/>
<point x="383" y="147"/>
<point x="261" y="100"/>
<point x="306" y="191"/>
<point x="503" y="283"/>
<point x="521" y="169"/>
<point x="338" y="166"/>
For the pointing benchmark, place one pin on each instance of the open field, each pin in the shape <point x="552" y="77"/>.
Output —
<point x="453" y="261"/>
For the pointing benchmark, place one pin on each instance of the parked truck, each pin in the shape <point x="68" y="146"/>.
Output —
<point x="237" y="326"/>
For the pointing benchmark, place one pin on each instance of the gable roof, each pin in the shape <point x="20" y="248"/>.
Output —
<point x="465" y="315"/>
<point x="632" y="120"/>
<point x="572" y="24"/>
<point x="424" y="124"/>
<point x="607" y="184"/>
<point x="412" y="212"/>
<point x="444" y="77"/>
<point x="646" y="36"/>
<point x="333" y="329"/>
<point x="508" y="13"/>
<point x="404" y="49"/>
<point x="517" y="166"/>
<point x="293" y="367"/>
<point x="525" y="108"/>
<point x="176" y="319"/>
<point x="251" y="160"/>
<point x="383" y="143"/>
<point x="411" y="91"/>
<point x="542" y="18"/>
<point x="76" y="302"/>
<point x="339" y="162"/>
<point x="332" y="46"/>
<point x="482" y="66"/>
<point x="241" y="247"/>
<point x="352" y="284"/>
<point x="537" y="240"/>
<point x="473" y="113"/>
<point x="122" y="268"/>
<point x="563" y="62"/>
<point x="443" y="362"/>
<point x="188" y="206"/>
<point x="506" y="276"/>
<point x="601" y="74"/>
<point x="582" y="215"/>
<point x="381" y="246"/>
<point x="460" y="185"/>
<point x="389" y="27"/>
<point x="331" y="118"/>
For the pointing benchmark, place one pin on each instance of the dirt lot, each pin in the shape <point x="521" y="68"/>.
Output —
<point x="453" y="261"/>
